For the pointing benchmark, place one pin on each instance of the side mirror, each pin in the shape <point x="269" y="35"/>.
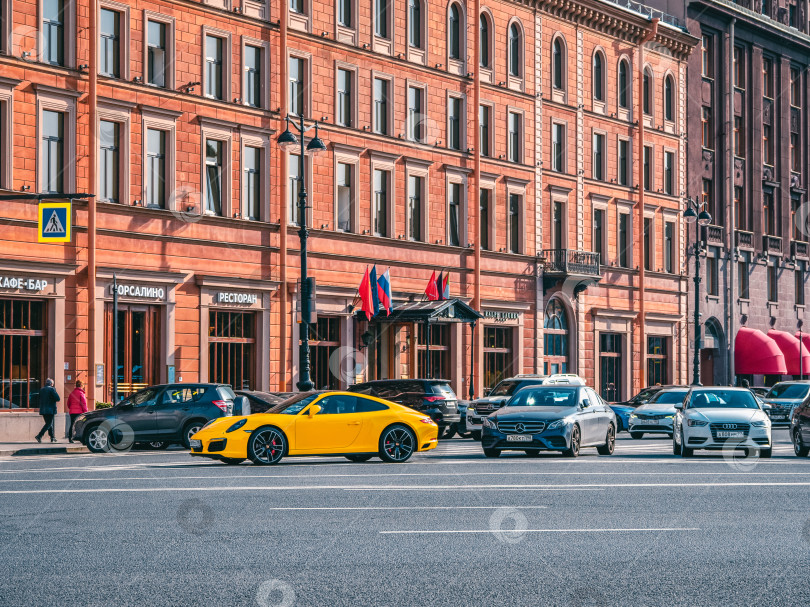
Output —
<point x="487" y="391"/>
<point x="314" y="410"/>
<point x="241" y="405"/>
<point x="766" y="407"/>
<point x="586" y="403"/>
<point x="679" y="406"/>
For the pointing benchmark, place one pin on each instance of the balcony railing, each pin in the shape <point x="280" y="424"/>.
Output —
<point x="745" y="240"/>
<point x="799" y="249"/>
<point x="715" y="234"/>
<point x="570" y="262"/>
<point x="772" y="244"/>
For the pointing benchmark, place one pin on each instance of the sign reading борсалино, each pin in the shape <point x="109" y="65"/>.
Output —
<point x="140" y="292"/>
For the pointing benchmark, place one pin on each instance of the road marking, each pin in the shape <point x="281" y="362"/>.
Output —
<point x="522" y="531"/>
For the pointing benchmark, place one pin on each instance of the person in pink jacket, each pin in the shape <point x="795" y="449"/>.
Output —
<point x="76" y="405"/>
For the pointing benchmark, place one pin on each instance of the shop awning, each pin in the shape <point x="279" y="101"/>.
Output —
<point x="757" y="354"/>
<point x="790" y="346"/>
<point x="448" y="310"/>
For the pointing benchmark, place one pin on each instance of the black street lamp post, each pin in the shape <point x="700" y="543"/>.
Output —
<point x="288" y="141"/>
<point x="692" y="214"/>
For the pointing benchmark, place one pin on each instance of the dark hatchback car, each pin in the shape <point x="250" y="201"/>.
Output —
<point x="433" y="397"/>
<point x="784" y="397"/>
<point x="800" y="429"/>
<point x="158" y="415"/>
<point x="261" y="402"/>
<point x="551" y="418"/>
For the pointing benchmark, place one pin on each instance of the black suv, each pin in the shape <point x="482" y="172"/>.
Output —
<point x="158" y="415"/>
<point x="433" y="397"/>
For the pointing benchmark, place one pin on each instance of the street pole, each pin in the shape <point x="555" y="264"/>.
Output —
<point x="693" y="215"/>
<point x="114" y="370"/>
<point x="801" y="351"/>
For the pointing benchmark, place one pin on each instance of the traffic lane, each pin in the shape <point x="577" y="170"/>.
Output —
<point x="221" y="549"/>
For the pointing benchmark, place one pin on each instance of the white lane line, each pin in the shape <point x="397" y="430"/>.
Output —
<point x="521" y="531"/>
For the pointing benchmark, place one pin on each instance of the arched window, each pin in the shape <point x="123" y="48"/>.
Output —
<point x="515" y="51"/>
<point x="669" y="98"/>
<point x="486" y="59"/>
<point x="624" y="84"/>
<point x="598" y="76"/>
<point x="647" y="92"/>
<point x="415" y="23"/>
<point x="454" y="32"/>
<point x="555" y="329"/>
<point x="558" y="64"/>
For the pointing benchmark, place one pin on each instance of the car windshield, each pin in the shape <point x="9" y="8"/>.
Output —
<point x="666" y="397"/>
<point x="140" y="398"/>
<point x="797" y="391"/>
<point x="294" y="405"/>
<point x="545" y="397"/>
<point x="717" y="399"/>
<point x="505" y="388"/>
<point x="645" y="395"/>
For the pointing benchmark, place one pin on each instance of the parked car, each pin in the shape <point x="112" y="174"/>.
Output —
<point x="157" y="415"/>
<point x="622" y="413"/>
<point x="644" y="395"/>
<point x="656" y="416"/>
<point x="356" y="426"/>
<point x="551" y="418"/>
<point x="800" y="429"/>
<point x="262" y="401"/>
<point x="714" y="418"/>
<point x="496" y="398"/>
<point x="783" y="397"/>
<point x="433" y="397"/>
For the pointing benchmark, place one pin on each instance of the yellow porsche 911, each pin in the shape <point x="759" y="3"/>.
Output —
<point x="356" y="426"/>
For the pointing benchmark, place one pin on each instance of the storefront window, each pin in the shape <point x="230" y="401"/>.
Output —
<point x="138" y="348"/>
<point x="324" y="339"/>
<point x="439" y="352"/>
<point x="610" y="366"/>
<point x="555" y="325"/>
<point x="657" y="361"/>
<point x="232" y="348"/>
<point x="497" y="355"/>
<point x="22" y="352"/>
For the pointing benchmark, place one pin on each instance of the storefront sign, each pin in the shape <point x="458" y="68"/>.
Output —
<point x="501" y="316"/>
<point x="139" y="291"/>
<point x="23" y="283"/>
<point x="237" y="298"/>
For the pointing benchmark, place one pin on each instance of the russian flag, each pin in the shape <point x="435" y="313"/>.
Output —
<point x="384" y="292"/>
<point x="373" y="283"/>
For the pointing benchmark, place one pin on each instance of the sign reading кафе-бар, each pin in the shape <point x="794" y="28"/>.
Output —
<point x="23" y="283"/>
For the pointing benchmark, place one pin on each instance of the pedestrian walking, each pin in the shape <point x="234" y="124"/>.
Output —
<point x="48" y="398"/>
<point x="76" y="405"/>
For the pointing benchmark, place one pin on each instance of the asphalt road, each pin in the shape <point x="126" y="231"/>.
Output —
<point x="446" y="528"/>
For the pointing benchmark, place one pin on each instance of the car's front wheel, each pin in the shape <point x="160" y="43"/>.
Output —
<point x="189" y="430"/>
<point x="492" y="452"/>
<point x="573" y="447"/>
<point x="397" y="444"/>
<point x="266" y="446"/>
<point x="98" y="440"/>
<point x="476" y="435"/>
<point x="448" y="431"/>
<point x="636" y="435"/>
<point x="157" y="445"/>
<point x="610" y="442"/>
<point x="799" y="448"/>
<point x="765" y="453"/>
<point x="358" y="458"/>
<point x="676" y="447"/>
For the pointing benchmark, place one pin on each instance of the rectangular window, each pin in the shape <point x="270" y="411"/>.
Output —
<point x="454" y="211"/>
<point x="669" y="247"/>
<point x="739" y="67"/>
<point x="598" y="244"/>
<point x="739" y="137"/>
<point x="381" y="18"/>
<point x="708" y="199"/>
<point x="514" y="223"/>
<point x="743" y="270"/>
<point x="251" y="163"/>
<point x="599" y="156"/>
<point x="769" y="213"/>
<point x="515" y="129"/>
<point x="648" y="243"/>
<point x="155" y="168"/>
<point x="381" y="106"/>
<point x="297" y="6"/>
<point x="415" y="127"/>
<point x="767" y="77"/>
<point x="767" y="145"/>
<point x="23" y="352"/>
<point x="53" y="31"/>
<point x="707" y="128"/>
<point x="624" y="240"/>
<point x="669" y="173"/>
<point x="110" y="44"/>
<point x="253" y="76"/>
<point x="324" y="341"/>
<point x="795" y="87"/>
<point x="795" y="153"/>
<point x="657" y="361"/>
<point x="624" y="165"/>
<point x="344" y="97"/>
<point x="414" y="207"/>
<point x="53" y="152"/>
<point x="557" y="225"/>
<point x="773" y="285"/>
<point x="109" y="168"/>
<point x="345" y="13"/>
<point x="799" y="282"/>
<point x="712" y="273"/>
<point x="740" y="214"/>
<point x="294" y="174"/>
<point x="232" y="348"/>
<point x="611" y="365"/>
<point x="381" y="179"/>
<point x="415" y="23"/>
<point x="483" y="209"/>
<point x="296" y="100"/>
<point x="484" y="118"/>
<point x="558" y="147"/>
<point x="213" y="67"/>
<point x="454" y="119"/>
<point x="796" y="218"/>
<point x="156" y="53"/>
<point x="344" y="197"/>
<point x="647" y="168"/>
<point x="707" y="57"/>
<point x="214" y="154"/>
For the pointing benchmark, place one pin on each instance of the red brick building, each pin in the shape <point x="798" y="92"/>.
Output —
<point x="193" y="211"/>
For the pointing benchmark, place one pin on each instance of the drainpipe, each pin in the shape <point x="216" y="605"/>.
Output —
<point x="477" y="328"/>
<point x="92" y="177"/>
<point x="731" y="237"/>
<point x="640" y="156"/>
<point x="282" y="229"/>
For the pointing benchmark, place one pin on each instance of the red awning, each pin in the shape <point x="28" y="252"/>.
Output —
<point x="805" y="340"/>
<point x="789" y="346"/>
<point x="757" y="354"/>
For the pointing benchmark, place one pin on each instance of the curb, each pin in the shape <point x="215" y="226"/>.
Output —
<point x="45" y="450"/>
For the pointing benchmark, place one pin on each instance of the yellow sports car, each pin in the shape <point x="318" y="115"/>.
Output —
<point x="356" y="426"/>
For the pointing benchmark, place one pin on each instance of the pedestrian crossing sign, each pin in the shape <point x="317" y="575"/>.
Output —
<point x="54" y="222"/>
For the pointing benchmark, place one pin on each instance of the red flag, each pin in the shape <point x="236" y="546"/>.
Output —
<point x="431" y="291"/>
<point x="365" y="296"/>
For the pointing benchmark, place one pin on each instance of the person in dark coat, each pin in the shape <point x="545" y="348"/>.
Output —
<point x="48" y="398"/>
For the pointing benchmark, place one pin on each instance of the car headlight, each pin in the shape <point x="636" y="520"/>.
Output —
<point x="633" y="416"/>
<point x="760" y="424"/>
<point x="696" y="422"/>
<point x="488" y="423"/>
<point x="668" y="416"/>
<point x="470" y="409"/>
<point x="558" y="424"/>
<point x="237" y="425"/>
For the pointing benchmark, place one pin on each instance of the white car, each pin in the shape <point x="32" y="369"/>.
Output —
<point x="716" y="418"/>
<point x="656" y="416"/>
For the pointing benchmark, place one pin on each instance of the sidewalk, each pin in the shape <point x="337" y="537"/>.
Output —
<point x="44" y="448"/>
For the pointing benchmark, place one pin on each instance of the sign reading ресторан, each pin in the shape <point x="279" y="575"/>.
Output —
<point x="236" y="297"/>
<point x="140" y="291"/>
<point x="23" y="283"/>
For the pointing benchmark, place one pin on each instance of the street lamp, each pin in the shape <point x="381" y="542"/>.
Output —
<point x="288" y="141"/>
<point x="692" y="214"/>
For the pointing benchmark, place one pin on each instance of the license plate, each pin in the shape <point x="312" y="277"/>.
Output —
<point x="195" y="443"/>
<point x="650" y="422"/>
<point x="778" y="416"/>
<point x="730" y="435"/>
<point x="519" y="438"/>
